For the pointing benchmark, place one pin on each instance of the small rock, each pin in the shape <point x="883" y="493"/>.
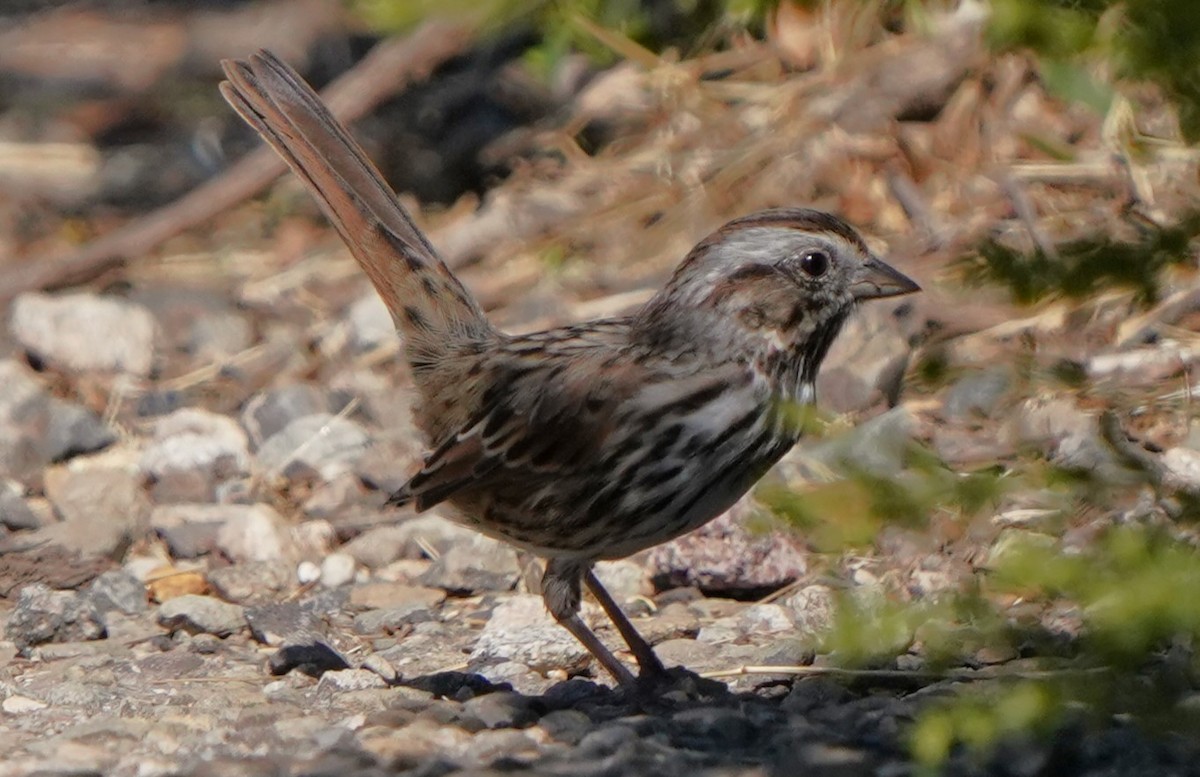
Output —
<point x="521" y="630"/>
<point x="280" y="623"/>
<point x="103" y="510"/>
<point x="322" y="443"/>
<point x="1016" y="541"/>
<point x="270" y="412"/>
<point x="814" y="608"/>
<point x="381" y="545"/>
<point x="391" y="619"/>
<point x="624" y="579"/>
<point x="85" y="332"/>
<point x="503" y="709"/>
<point x="1183" y="469"/>
<point x="251" y="581"/>
<point x="14" y="513"/>
<point x="190" y="530"/>
<point x="370" y="323"/>
<point x="880" y="446"/>
<point x="724" y="557"/>
<point x="21" y="705"/>
<point x="373" y="596"/>
<point x="118" y="590"/>
<point x="480" y="564"/>
<point x="977" y="394"/>
<point x="338" y="680"/>
<point x="382" y="667"/>
<point x="811" y="693"/>
<point x="72" y="430"/>
<point x="254" y="533"/>
<point x="764" y="619"/>
<point x="196" y="448"/>
<point x="711" y="729"/>
<point x="215" y="335"/>
<point x="566" y="726"/>
<point x="307" y="573"/>
<point x="337" y="570"/>
<point x="674" y="621"/>
<point x="865" y="364"/>
<point x="43" y="615"/>
<point x="312" y="658"/>
<point x="201" y="615"/>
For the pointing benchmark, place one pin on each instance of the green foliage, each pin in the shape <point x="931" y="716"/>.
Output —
<point x="598" y="28"/>
<point x="1132" y="588"/>
<point x="980" y="719"/>
<point x="865" y="501"/>
<point x="1155" y="40"/>
<point x="1086" y="266"/>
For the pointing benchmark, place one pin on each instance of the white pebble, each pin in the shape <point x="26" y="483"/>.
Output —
<point x="337" y="569"/>
<point x="307" y="572"/>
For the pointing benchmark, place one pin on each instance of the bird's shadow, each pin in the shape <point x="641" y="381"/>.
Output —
<point x="676" y="724"/>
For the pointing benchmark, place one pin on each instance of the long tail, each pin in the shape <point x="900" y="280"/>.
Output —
<point x="432" y="309"/>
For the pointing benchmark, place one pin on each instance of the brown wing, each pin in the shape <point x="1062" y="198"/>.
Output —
<point x="546" y="420"/>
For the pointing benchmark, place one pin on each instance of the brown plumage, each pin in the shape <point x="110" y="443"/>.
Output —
<point x="596" y="440"/>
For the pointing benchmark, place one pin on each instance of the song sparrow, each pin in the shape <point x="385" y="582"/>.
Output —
<point x="596" y="440"/>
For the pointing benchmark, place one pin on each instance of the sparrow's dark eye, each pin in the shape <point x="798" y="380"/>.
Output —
<point x="814" y="263"/>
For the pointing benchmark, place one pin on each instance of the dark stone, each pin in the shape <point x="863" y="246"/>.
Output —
<point x="310" y="658"/>
<point x="118" y="590"/>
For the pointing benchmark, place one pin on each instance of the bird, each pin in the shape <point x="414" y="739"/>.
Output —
<point x="595" y="440"/>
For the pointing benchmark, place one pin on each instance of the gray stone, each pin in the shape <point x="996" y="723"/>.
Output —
<point x="190" y="530"/>
<point x="865" y="364"/>
<point x="72" y="430"/>
<point x="391" y="619"/>
<point x="382" y="667"/>
<point x="479" y="564"/>
<point x="382" y="595"/>
<point x="977" y="394"/>
<point x="118" y="590"/>
<point x="814" y="608"/>
<point x="85" y="332"/>
<point x="724" y="557"/>
<point x="879" y="446"/>
<point x="104" y="511"/>
<point x="280" y="623"/>
<point x="194" y="441"/>
<point x="521" y="630"/>
<point x="624" y="579"/>
<point x="255" y="533"/>
<point x="310" y="656"/>
<point x="321" y="443"/>
<point x="44" y="615"/>
<point x="503" y="709"/>
<point x="340" y="680"/>
<point x="1182" y="469"/>
<point x="197" y="614"/>
<point x="215" y="335"/>
<point x="251" y="581"/>
<point x="370" y="323"/>
<point x="270" y="412"/>
<point x="14" y="513"/>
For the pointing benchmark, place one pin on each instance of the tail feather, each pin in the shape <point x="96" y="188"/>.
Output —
<point x="428" y="304"/>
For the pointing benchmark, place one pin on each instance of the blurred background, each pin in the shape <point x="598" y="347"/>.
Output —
<point x="198" y="389"/>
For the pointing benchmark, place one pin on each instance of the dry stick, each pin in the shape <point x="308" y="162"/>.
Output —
<point x="966" y="675"/>
<point x="387" y="69"/>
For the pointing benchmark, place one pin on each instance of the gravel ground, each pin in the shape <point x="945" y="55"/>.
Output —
<point x="197" y="576"/>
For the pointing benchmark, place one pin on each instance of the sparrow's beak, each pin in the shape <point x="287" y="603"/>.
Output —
<point x="876" y="279"/>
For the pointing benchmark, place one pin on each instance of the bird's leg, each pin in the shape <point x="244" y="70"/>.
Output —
<point x="562" y="594"/>
<point x="648" y="662"/>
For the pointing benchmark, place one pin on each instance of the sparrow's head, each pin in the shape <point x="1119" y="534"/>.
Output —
<point x="782" y="281"/>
